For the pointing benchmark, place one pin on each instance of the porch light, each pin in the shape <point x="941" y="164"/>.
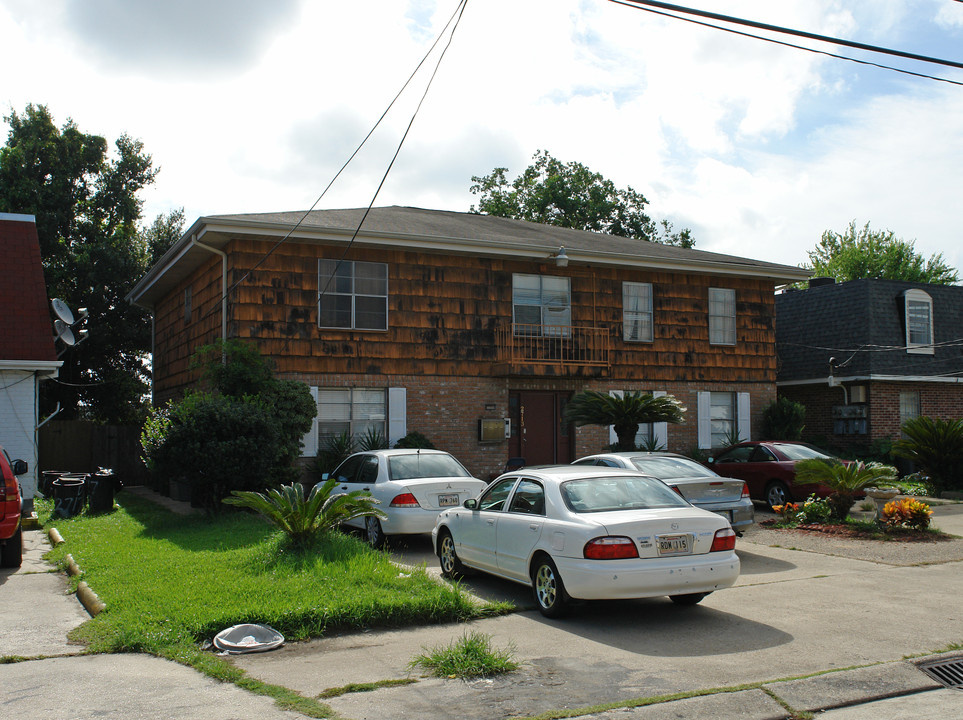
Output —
<point x="561" y="259"/>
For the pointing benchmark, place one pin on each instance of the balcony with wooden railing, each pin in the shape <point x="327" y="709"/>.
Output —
<point x="553" y="350"/>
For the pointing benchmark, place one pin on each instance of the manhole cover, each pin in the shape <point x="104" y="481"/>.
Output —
<point x="947" y="672"/>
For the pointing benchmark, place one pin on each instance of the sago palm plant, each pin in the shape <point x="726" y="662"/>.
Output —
<point x="302" y="518"/>
<point x="625" y="413"/>
<point x="937" y="447"/>
<point x="845" y="480"/>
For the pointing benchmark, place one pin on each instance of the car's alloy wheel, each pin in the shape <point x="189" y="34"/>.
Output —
<point x="373" y="532"/>
<point x="548" y="588"/>
<point x="776" y="493"/>
<point x="451" y="566"/>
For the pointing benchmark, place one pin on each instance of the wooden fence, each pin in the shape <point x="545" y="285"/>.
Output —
<point x="78" y="446"/>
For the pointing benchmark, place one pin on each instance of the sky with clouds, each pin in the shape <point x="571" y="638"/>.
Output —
<point x="253" y="106"/>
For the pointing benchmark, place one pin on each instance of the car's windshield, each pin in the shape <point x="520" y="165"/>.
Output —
<point x="630" y="492"/>
<point x="668" y="468"/>
<point x="424" y="465"/>
<point x="801" y="452"/>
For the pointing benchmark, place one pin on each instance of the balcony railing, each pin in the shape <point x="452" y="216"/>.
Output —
<point x="564" y="346"/>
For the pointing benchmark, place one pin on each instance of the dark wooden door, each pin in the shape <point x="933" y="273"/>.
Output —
<point x="538" y="433"/>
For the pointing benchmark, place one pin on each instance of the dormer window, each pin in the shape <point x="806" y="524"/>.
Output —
<point x="918" y="308"/>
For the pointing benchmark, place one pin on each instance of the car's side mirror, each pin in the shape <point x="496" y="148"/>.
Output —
<point x="19" y="467"/>
<point x="471" y="504"/>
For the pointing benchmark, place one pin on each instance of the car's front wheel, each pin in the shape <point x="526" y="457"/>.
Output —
<point x="548" y="588"/>
<point x="373" y="532"/>
<point x="11" y="554"/>
<point x="689" y="599"/>
<point x="777" y="493"/>
<point x="451" y="566"/>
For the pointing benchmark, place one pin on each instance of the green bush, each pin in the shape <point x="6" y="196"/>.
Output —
<point x="936" y="446"/>
<point x="784" y="420"/>
<point x="415" y="440"/>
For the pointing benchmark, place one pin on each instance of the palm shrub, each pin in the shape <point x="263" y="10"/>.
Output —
<point x="937" y="447"/>
<point x="625" y="413"/>
<point x="845" y="480"/>
<point x="303" y="518"/>
<point x="784" y="419"/>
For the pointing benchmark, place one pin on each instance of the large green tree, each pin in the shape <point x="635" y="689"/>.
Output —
<point x="570" y="195"/>
<point x="86" y="203"/>
<point x="858" y="253"/>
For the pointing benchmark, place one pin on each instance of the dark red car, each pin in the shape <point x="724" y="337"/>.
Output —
<point x="11" y="504"/>
<point x="769" y="469"/>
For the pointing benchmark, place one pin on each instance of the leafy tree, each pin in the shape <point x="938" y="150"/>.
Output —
<point x="937" y="447"/>
<point x="572" y="196"/>
<point x="845" y="480"/>
<point x="784" y="419"/>
<point x="86" y="205"/>
<point x="304" y="518"/>
<point x="161" y="235"/>
<point x="864" y="253"/>
<point x="625" y="413"/>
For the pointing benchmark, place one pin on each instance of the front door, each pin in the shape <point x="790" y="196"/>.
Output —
<point x="541" y="438"/>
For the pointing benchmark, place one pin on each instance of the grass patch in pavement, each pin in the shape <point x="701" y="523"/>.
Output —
<point x="472" y="655"/>
<point x="172" y="582"/>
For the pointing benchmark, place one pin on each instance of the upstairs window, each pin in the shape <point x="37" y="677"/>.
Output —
<point x="352" y="295"/>
<point x="722" y="316"/>
<point x="541" y="305"/>
<point x="919" y="322"/>
<point x="636" y="312"/>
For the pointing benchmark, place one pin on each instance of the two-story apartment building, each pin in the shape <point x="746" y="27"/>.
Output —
<point x="473" y="330"/>
<point x="865" y="356"/>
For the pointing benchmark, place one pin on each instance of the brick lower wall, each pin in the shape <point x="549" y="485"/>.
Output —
<point x="447" y="410"/>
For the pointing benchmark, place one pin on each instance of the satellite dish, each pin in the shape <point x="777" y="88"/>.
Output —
<point x="64" y="332"/>
<point x="62" y="311"/>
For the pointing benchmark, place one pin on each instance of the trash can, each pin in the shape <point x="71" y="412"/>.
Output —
<point x="101" y="488"/>
<point x="45" y="486"/>
<point x="68" y="495"/>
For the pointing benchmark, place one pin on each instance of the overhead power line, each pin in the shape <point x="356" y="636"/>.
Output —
<point x="635" y="6"/>
<point x="790" y="31"/>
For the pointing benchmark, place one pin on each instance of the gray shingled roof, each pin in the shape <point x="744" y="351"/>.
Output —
<point x="861" y="323"/>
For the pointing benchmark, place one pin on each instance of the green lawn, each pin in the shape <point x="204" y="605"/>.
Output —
<point x="172" y="582"/>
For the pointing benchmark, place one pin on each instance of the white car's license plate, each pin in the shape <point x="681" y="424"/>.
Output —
<point x="447" y="500"/>
<point x="674" y="544"/>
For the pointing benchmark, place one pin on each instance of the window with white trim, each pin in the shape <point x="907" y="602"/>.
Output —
<point x="909" y="407"/>
<point x="723" y="417"/>
<point x="637" y="312"/>
<point x="919" y="322"/>
<point x="352" y="295"/>
<point x="355" y="411"/>
<point x="722" y="316"/>
<point x="541" y="305"/>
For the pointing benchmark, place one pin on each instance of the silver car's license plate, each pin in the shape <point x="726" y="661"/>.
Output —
<point x="447" y="500"/>
<point x="674" y="544"/>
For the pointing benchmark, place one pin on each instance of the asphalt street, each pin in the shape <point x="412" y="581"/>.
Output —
<point x="802" y="630"/>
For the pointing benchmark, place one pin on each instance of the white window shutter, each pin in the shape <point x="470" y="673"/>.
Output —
<point x="704" y="409"/>
<point x="660" y="431"/>
<point x="309" y="443"/>
<point x="397" y="414"/>
<point x="613" y="438"/>
<point x="744" y="416"/>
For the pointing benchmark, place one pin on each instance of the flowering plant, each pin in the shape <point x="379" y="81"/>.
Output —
<point x="787" y="512"/>
<point x="815" y="510"/>
<point x="906" y="513"/>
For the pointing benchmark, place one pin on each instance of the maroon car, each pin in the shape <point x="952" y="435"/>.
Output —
<point x="11" y="503"/>
<point x="769" y="469"/>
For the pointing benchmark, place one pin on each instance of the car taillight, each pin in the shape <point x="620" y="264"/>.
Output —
<point x="725" y="539"/>
<point x="676" y="488"/>
<point x="745" y="491"/>
<point x="610" y="548"/>
<point x="405" y="500"/>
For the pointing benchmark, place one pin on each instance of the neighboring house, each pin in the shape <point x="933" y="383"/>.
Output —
<point x="865" y="356"/>
<point x="27" y="353"/>
<point x="473" y="330"/>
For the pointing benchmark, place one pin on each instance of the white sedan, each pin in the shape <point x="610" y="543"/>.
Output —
<point x="589" y="533"/>
<point x="411" y="486"/>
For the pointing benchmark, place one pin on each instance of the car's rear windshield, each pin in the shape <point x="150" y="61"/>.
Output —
<point x="424" y="465"/>
<point x="629" y="492"/>
<point x="667" y="468"/>
<point x="801" y="452"/>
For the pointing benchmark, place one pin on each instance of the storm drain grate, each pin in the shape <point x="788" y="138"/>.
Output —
<point x="946" y="672"/>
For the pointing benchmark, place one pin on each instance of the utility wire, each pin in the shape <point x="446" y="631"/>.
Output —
<point x="635" y="6"/>
<point x="459" y="10"/>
